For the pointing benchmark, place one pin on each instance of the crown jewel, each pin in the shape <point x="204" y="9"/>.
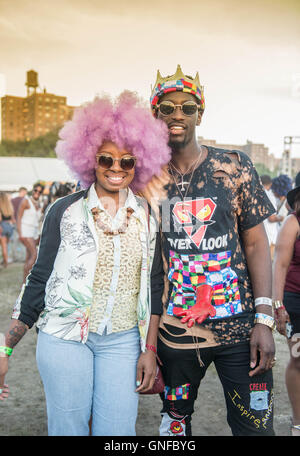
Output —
<point x="177" y="82"/>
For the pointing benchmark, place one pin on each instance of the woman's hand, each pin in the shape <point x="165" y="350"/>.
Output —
<point x="281" y="318"/>
<point x="4" y="389"/>
<point x="16" y="331"/>
<point x="146" y="371"/>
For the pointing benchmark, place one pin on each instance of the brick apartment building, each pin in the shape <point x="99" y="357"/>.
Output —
<point x="25" y="118"/>
<point x="258" y="153"/>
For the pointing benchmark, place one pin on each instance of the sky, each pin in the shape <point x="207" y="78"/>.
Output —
<point x="247" y="54"/>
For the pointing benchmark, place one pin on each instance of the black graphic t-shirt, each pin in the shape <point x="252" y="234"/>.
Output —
<point x="201" y="240"/>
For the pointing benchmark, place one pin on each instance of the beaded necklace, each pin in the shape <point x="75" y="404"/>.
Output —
<point x="105" y="228"/>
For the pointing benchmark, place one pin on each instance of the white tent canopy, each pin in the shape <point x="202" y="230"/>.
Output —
<point x="16" y="172"/>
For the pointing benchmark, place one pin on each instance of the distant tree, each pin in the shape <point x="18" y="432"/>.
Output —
<point x="43" y="146"/>
<point x="262" y="169"/>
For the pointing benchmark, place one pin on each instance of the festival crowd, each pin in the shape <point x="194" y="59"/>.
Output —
<point x="21" y="218"/>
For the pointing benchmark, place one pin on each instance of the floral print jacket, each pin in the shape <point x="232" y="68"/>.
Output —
<point x="59" y="289"/>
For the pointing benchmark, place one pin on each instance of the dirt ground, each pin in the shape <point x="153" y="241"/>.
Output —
<point x="24" y="412"/>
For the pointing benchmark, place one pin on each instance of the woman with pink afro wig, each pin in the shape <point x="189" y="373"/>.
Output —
<point x="128" y="124"/>
<point x="95" y="290"/>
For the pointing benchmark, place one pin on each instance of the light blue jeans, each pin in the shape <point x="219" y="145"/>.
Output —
<point x="95" y="379"/>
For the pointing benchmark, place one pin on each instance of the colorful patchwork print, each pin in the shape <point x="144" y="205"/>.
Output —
<point x="175" y="394"/>
<point x="187" y="272"/>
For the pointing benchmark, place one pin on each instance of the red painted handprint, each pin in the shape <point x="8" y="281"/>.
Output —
<point x="201" y="310"/>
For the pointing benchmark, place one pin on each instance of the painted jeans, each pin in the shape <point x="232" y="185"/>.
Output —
<point x="249" y="400"/>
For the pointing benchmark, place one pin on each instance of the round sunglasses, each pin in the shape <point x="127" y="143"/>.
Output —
<point x="106" y="162"/>
<point x="188" y="108"/>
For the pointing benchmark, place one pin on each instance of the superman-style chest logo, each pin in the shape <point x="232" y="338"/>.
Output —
<point x="194" y="217"/>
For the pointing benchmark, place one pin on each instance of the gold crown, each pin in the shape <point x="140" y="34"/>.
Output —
<point x="187" y="84"/>
<point x="178" y="75"/>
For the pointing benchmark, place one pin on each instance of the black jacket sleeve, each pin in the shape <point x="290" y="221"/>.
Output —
<point x="32" y="301"/>
<point x="157" y="279"/>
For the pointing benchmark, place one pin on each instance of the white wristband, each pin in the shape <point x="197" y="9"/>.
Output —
<point x="263" y="301"/>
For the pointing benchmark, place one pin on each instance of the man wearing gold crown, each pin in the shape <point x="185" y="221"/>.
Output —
<point x="217" y="305"/>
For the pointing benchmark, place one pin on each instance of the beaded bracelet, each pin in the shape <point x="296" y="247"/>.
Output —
<point x="151" y="348"/>
<point x="7" y="350"/>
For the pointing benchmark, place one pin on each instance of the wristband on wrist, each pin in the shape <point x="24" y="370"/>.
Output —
<point x="7" y="350"/>
<point x="263" y="301"/>
<point x="265" y="320"/>
<point x="151" y="348"/>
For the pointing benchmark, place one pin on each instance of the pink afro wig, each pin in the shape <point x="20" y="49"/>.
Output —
<point x="128" y="123"/>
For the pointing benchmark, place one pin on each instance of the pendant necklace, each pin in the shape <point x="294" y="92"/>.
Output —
<point x="181" y="184"/>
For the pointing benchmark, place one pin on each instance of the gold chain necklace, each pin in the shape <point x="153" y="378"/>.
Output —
<point x="106" y="229"/>
<point x="182" y="183"/>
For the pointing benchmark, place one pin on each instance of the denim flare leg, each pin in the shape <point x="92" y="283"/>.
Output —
<point x="94" y="379"/>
